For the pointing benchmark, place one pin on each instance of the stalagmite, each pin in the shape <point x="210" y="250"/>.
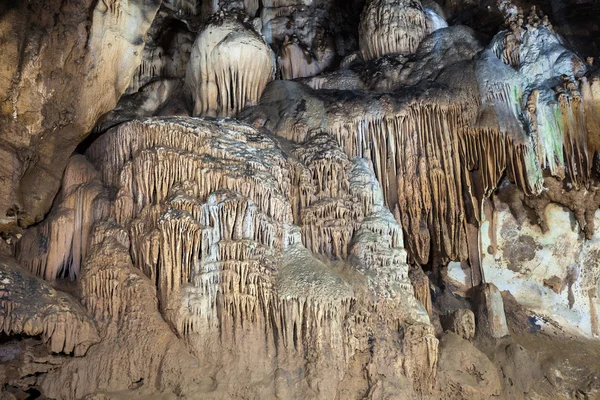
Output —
<point x="230" y="65"/>
<point x="29" y="306"/>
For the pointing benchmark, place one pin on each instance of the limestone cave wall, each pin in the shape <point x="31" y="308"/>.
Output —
<point x="285" y="199"/>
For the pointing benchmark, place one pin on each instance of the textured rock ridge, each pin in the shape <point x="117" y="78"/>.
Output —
<point x="31" y="307"/>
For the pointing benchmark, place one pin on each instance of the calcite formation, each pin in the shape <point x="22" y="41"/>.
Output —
<point x="297" y="199"/>
<point x="230" y="65"/>
<point x="517" y="258"/>
<point x="225" y="231"/>
<point x="57" y="246"/>
<point x="30" y="306"/>
<point x="497" y="121"/>
<point x="214" y="230"/>
<point x="392" y="27"/>
<point x="461" y="322"/>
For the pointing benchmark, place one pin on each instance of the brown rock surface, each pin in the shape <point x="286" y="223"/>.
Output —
<point x="65" y="65"/>
<point x="467" y="373"/>
<point x="31" y="307"/>
<point x="461" y="322"/>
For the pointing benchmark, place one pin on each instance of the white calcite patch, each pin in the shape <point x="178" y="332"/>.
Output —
<point x="537" y="268"/>
<point x="437" y="22"/>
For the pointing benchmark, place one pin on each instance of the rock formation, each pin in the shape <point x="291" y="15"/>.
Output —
<point x="392" y="27"/>
<point x="64" y="65"/>
<point x="31" y="307"/>
<point x="297" y="199"/>
<point x="230" y="65"/>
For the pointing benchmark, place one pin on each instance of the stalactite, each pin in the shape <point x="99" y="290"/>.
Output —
<point x="230" y="66"/>
<point x="329" y="214"/>
<point x="314" y="303"/>
<point x="554" y="125"/>
<point x="427" y="173"/>
<point x="392" y="26"/>
<point x="414" y="151"/>
<point x="29" y="306"/>
<point x="291" y="252"/>
<point x="210" y="210"/>
<point x="56" y="247"/>
<point x="137" y="344"/>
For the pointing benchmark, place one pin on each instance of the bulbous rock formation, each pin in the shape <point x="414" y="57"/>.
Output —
<point x="229" y="67"/>
<point x="392" y="27"/>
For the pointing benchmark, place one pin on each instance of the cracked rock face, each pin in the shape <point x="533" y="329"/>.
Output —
<point x="298" y="199"/>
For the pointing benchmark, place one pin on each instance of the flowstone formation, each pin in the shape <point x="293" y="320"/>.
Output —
<point x="217" y="215"/>
<point x="230" y="65"/>
<point x="298" y="199"/>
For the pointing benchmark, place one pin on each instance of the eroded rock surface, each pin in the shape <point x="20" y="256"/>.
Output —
<point x="64" y="64"/>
